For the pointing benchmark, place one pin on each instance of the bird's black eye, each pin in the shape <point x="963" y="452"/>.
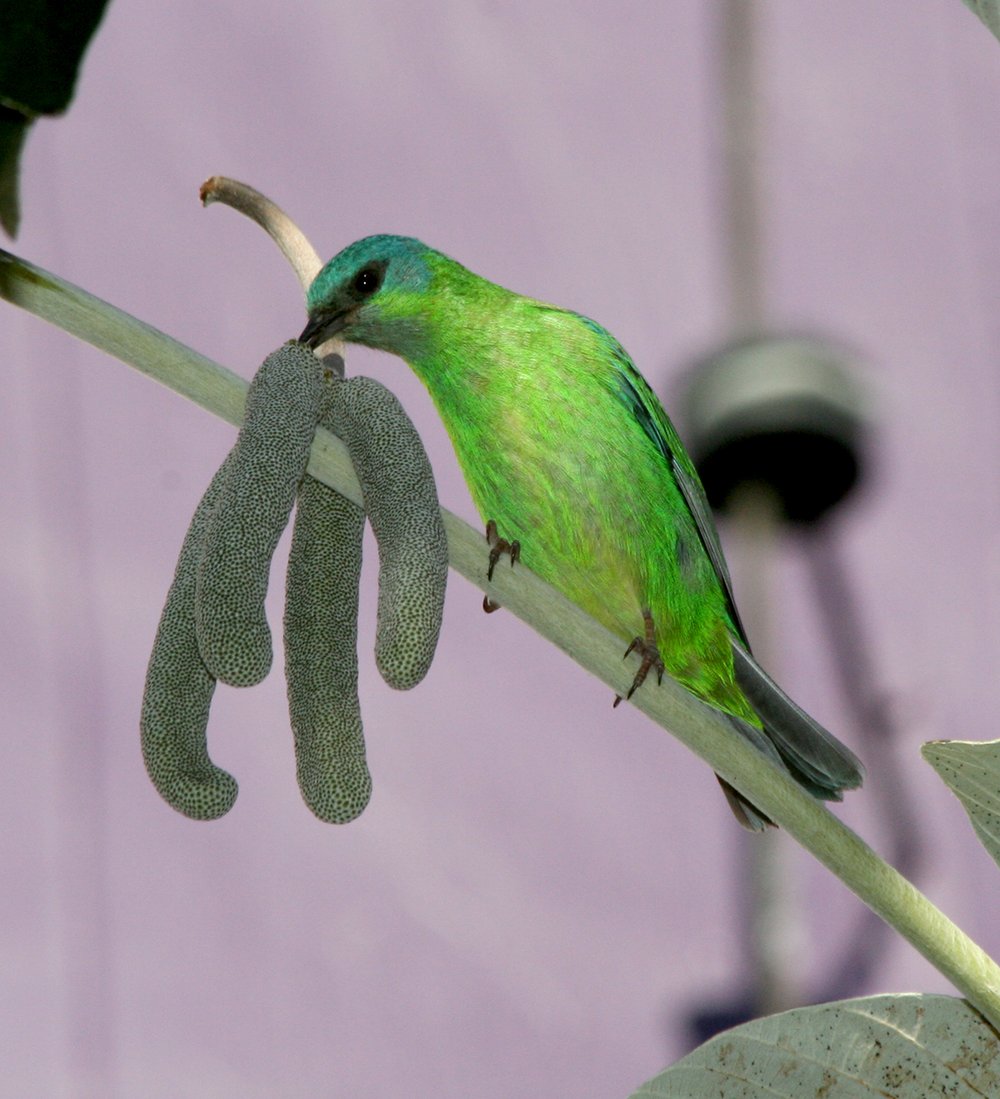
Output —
<point x="367" y="281"/>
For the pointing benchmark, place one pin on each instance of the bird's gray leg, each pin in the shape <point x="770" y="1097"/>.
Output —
<point x="651" y="659"/>
<point x="498" y="547"/>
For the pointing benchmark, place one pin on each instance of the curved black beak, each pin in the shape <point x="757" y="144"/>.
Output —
<point x="321" y="327"/>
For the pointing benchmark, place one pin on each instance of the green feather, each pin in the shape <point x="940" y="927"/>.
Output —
<point x="565" y="446"/>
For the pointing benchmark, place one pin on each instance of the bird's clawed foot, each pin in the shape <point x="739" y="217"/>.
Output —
<point x="651" y="659"/>
<point x="498" y="547"/>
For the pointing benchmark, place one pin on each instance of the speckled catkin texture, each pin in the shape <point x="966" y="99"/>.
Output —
<point x="321" y="660"/>
<point x="402" y="505"/>
<point x="179" y="690"/>
<point x="213" y="625"/>
<point x="263" y="472"/>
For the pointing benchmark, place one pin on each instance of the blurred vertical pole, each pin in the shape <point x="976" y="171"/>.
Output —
<point x="737" y="61"/>
<point x="772" y="929"/>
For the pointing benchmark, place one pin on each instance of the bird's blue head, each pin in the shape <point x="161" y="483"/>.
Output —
<point x="374" y="292"/>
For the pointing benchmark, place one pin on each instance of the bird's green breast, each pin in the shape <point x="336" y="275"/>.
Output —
<point x="530" y="397"/>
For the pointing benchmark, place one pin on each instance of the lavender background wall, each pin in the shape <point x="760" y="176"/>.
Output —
<point x="540" y="891"/>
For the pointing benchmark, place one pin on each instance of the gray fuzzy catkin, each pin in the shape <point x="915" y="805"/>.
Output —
<point x="213" y="624"/>
<point x="401" y="501"/>
<point x="179" y="690"/>
<point x="264" y="469"/>
<point x="321" y="659"/>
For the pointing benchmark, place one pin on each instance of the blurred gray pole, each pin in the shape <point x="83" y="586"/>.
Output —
<point x="737" y="59"/>
<point x="773" y="932"/>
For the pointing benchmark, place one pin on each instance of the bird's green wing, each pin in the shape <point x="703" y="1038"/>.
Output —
<point x="635" y="394"/>
<point x="817" y="759"/>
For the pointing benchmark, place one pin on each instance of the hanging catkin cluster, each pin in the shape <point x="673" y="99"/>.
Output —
<point x="214" y="626"/>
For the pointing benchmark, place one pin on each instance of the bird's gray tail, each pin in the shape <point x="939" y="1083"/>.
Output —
<point x="823" y="765"/>
<point x="813" y="756"/>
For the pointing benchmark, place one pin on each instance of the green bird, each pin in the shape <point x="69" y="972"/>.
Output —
<point x="567" y="450"/>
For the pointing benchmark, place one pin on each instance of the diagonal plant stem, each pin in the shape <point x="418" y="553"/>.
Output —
<point x="699" y="727"/>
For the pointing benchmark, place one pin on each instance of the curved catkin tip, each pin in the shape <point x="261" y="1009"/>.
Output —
<point x="402" y="504"/>
<point x="321" y="659"/>
<point x="263" y="472"/>
<point x="178" y="693"/>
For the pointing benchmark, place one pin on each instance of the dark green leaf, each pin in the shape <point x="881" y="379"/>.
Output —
<point x="41" y="47"/>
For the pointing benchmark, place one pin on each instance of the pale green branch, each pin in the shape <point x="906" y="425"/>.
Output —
<point x="988" y="11"/>
<point x="703" y="730"/>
